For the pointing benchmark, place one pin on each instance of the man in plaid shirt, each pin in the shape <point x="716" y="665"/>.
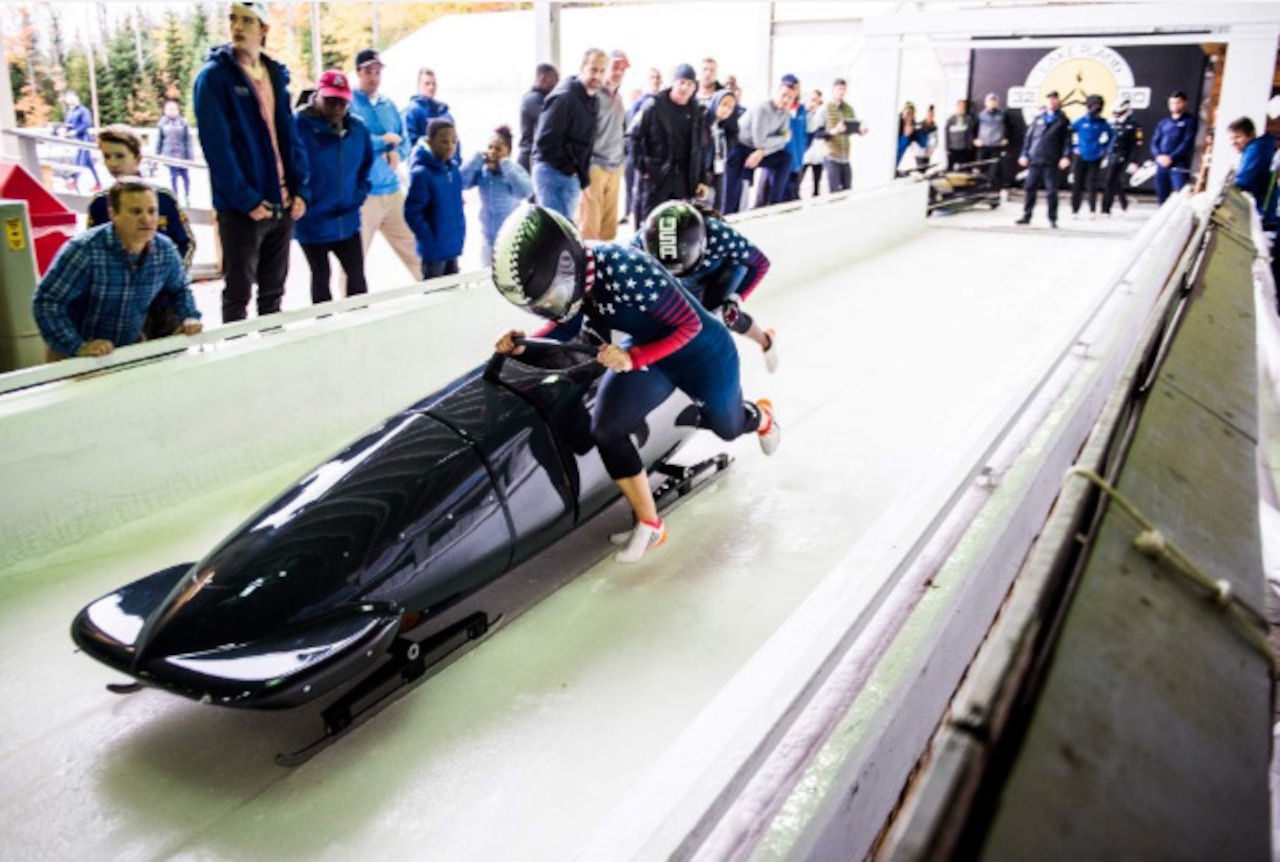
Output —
<point x="96" y="294"/>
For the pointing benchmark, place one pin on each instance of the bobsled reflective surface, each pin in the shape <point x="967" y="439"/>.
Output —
<point x="386" y="558"/>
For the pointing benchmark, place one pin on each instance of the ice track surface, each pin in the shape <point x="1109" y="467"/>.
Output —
<point x="520" y="749"/>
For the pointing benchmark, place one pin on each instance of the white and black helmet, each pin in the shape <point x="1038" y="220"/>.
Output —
<point x="676" y="235"/>
<point x="539" y="262"/>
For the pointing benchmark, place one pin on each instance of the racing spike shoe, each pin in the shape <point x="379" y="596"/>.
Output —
<point x="771" y="352"/>
<point x="770" y="431"/>
<point x="644" y="538"/>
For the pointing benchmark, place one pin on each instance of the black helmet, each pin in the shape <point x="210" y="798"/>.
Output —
<point x="539" y="262"/>
<point x="676" y="235"/>
<point x="1095" y="99"/>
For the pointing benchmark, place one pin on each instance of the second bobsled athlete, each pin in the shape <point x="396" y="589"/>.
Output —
<point x="716" y="264"/>
<point x="542" y="265"/>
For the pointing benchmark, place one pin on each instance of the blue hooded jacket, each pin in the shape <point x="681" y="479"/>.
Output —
<point x="433" y="207"/>
<point x="236" y="141"/>
<point x="500" y="192"/>
<point x="340" y="161"/>
<point x="1092" y="137"/>
<point x="1255" y="175"/>
<point x="421" y="111"/>
<point x="799" y="138"/>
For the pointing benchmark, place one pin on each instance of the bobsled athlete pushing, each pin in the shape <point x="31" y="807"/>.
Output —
<point x="715" y="264"/>
<point x="392" y="558"/>
<point x="539" y="263"/>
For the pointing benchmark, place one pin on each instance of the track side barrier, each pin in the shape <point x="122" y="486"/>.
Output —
<point x="804" y="753"/>
<point x="90" y="444"/>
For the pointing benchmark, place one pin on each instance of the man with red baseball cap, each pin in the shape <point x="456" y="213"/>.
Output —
<point x="339" y="151"/>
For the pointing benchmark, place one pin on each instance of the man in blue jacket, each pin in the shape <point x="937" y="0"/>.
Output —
<point x="339" y="153"/>
<point x="1091" y="137"/>
<point x="566" y="136"/>
<point x="1173" y="145"/>
<point x="1256" y="175"/>
<point x="259" y="177"/>
<point x="383" y="210"/>
<point x="423" y="108"/>
<point x="1044" y="154"/>
<point x="258" y="174"/>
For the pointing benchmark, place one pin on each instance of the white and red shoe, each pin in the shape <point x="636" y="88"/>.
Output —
<point x="644" y="537"/>
<point x="771" y="352"/>
<point x="770" y="431"/>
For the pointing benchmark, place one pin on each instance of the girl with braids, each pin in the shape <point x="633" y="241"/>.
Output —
<point x="503" y="185"/>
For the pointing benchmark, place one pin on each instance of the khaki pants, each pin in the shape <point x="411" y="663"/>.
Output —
<point x="598" y="208"/>
<point x="386" y="213"/>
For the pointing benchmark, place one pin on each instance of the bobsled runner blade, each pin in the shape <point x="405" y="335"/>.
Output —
<point x="410" y="658"/>
<point x="680" y="480"/>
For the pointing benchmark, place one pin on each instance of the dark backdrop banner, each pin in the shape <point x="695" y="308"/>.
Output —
<point x="1145" y="75"/>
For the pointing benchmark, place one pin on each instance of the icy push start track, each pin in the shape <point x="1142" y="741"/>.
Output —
<point x="520" y="749"/>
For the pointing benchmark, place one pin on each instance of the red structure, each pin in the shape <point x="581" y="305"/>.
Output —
<point x="52" y="224"/>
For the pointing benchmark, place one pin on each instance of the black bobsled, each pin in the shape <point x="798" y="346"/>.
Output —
<point x="969" y="185"/>
<point x="388" y="558"/>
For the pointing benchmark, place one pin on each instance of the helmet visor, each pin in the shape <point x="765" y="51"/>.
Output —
<point x="559" y="300"/>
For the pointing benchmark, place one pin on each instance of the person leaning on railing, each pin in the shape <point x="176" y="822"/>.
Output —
<point x="95" y="296"/>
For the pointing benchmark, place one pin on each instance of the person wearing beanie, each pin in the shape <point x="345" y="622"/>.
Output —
<point x="667" y="145"/>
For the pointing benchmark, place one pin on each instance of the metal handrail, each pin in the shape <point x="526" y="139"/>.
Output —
<point x="24" y="135"/>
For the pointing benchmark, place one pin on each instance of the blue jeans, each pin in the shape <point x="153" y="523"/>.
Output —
<point x="556" y="191"/>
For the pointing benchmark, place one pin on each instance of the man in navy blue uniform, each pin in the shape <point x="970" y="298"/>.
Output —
<point x="1173" y="145"/>
<point x="541" y="265"/>
<point x="1044" y="154"/>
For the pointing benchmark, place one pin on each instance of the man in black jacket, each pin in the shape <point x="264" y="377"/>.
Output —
<point x="545" y="78"/>
<point x="667" y="145"/>
<point x="565" y="136"/>
<point x="1045" y="150"/>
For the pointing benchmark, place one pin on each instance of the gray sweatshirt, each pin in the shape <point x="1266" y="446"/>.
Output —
<point x="608" y="153"/>
<point x="765" y="127"/>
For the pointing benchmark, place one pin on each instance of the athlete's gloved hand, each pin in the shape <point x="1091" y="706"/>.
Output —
<point x="731" y="309"/>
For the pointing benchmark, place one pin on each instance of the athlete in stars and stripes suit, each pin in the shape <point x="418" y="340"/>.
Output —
<point x="717" y="265"/>
<point x="541" y="264"/>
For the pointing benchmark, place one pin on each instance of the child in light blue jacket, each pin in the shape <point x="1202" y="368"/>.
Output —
<point x="503" y="185"/>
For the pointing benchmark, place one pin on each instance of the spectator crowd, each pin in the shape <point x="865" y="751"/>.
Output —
<point x="344" y="163"/>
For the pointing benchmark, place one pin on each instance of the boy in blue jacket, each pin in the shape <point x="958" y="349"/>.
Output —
<point x="339" y="150"/>
<point x="433" y="207"/>
<point x="1091" y="138"/>
<point x="503" y="185"/>
<point x="258" y="174"/>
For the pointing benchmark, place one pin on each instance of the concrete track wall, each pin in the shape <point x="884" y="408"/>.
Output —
<point x="81" y="455"/>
